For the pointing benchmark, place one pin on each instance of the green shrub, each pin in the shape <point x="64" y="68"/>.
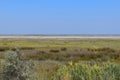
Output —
<point x="89" y="71"/>
<point x="17" y="68"/>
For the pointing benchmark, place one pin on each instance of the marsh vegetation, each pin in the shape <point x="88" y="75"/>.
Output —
<point x="54" y="59"/>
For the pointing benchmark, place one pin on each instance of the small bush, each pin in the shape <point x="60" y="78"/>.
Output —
<point x="54" y="51"/>
<point x="17" y="68"/>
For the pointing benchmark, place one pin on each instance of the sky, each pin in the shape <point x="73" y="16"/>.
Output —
<point x="59" y="16"/>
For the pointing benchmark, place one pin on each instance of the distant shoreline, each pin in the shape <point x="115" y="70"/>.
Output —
<point x="62" y="36"/>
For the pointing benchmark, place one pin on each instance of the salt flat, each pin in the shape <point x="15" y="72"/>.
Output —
<point x="62" y="36"/>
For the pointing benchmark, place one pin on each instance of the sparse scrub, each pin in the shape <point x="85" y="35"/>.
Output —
<point x="68" y="55"/>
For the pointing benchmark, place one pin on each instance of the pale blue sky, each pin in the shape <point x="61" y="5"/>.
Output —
<point x="59" y="16"/>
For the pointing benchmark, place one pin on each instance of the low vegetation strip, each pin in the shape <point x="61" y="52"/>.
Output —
<point x="65" y="54"/>
<point x="16" y="67"/>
